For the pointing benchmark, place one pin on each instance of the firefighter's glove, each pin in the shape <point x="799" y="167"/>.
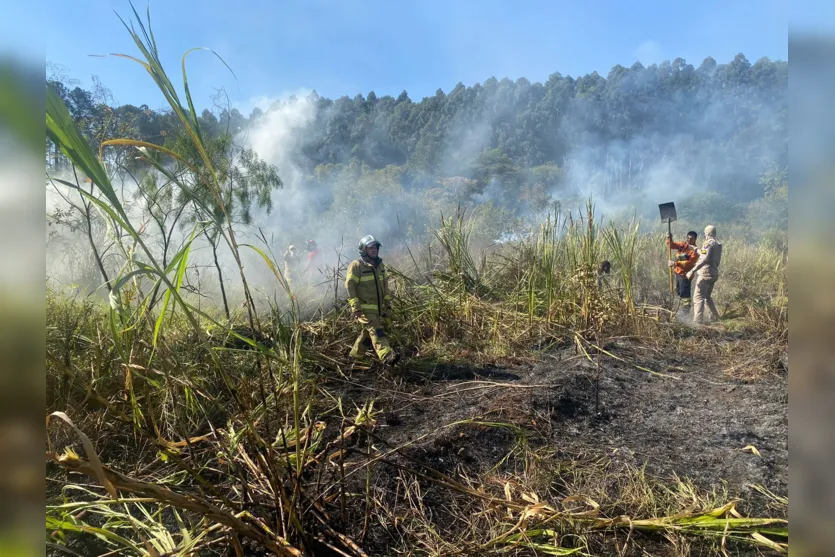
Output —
<point x="387" y="319"/>
<point x="671" y="263"/>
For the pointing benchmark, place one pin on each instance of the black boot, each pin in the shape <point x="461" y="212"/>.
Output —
<point x="391" y="358"/>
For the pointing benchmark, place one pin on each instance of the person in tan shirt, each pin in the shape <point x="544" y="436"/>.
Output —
<point x="706" y="271"/>
<point x="291" y="265"/>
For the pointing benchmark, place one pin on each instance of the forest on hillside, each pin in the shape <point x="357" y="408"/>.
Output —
<point x="714" y="138"/>
<point x="728" y="121"/>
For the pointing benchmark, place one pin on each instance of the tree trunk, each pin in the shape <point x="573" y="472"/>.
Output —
<point x="166" y="243"/>
<point x="220" y="277"/>
<point x="99" y="262"/>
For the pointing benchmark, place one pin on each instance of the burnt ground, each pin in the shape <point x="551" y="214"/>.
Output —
<point x="690" y="419"/>
<point x="693" y="422"/>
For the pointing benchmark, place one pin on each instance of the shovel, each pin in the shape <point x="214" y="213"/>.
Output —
<point x="668" y="215"/>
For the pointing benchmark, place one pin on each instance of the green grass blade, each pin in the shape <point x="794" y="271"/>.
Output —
<point x="270" y="265"/>
<point x="62" y="130"/>
<point x="181" y="268"/>
<point x="184" y="251"/>
<point x="53" y="524"/>
<point x="161" y="316"/>
<point x="117" y="218"/>
<point x="188" y="91"/>
<point x="126" y="278"/>
<point x="182" y="264"/>
<point x="139" y="21"/>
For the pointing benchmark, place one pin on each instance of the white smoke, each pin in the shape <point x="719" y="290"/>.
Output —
<point x="624" y="177"/>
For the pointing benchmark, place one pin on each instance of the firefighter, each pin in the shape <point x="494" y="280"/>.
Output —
<point x="368" y="296"/>
<point x="312" y="261"/>
<point x="685" y="259"/>
<point x="706" y="271"/>
<point x="291" y="264"/>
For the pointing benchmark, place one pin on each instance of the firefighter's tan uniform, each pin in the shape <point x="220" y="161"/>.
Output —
<point x="291" y="265"/>
<point x="368" y="293"/>
<point x="706" y="272"/>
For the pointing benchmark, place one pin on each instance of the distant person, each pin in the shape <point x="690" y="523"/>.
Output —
<point x="368" y="295"/>
<point x="291" y="264"/>
<point x="706" y="271"/>
<point x="313" y="257"/>
<point x="685" y="259"/>
<point x="602" y="271"/>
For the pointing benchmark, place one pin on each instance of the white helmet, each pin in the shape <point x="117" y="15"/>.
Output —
<point x="367" y="242"/>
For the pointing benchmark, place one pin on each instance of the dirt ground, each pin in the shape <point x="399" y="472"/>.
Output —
<point x="696" y="418"/>
<point x="696" y="410"/>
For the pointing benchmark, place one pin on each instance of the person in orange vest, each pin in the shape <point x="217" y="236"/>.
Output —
<point x="685" y="259"/>
<point x="312" y="261"/>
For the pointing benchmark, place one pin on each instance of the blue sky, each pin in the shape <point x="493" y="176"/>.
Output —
<point x="280" y="47"/>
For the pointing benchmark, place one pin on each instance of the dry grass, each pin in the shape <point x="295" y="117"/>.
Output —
<point x="536" y="501"/>
<point x="174" y="419"/>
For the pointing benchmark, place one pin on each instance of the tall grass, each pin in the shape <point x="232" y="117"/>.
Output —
<point x="533" y="293"/>
<point x="755" y="281"/>
<point x="151" y="412"/>
<point x="545" y="288"/>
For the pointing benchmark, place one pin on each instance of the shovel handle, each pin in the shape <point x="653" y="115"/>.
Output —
<point x="670" y="232"/>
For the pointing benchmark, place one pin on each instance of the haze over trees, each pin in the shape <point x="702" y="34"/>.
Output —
<point x="524" y="134"/>
<point x="714" y="138"/>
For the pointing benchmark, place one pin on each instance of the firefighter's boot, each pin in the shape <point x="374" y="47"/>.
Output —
<point x="391" y="358"/>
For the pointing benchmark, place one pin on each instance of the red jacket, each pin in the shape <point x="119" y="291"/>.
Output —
<point x="312" y="257"/>
<point x="686" y="256"/>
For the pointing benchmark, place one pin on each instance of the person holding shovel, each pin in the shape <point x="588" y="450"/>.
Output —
<point x="684" y="260"/>
<point x="706" y="271"/>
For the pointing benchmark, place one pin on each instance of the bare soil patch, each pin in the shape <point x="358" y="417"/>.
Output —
<point x="694" y="418"/>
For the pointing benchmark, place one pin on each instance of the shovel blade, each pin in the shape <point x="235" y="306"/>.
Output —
<point x="668" y="212"/>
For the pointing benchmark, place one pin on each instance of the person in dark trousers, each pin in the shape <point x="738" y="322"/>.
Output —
<point x="685" y="258"/>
